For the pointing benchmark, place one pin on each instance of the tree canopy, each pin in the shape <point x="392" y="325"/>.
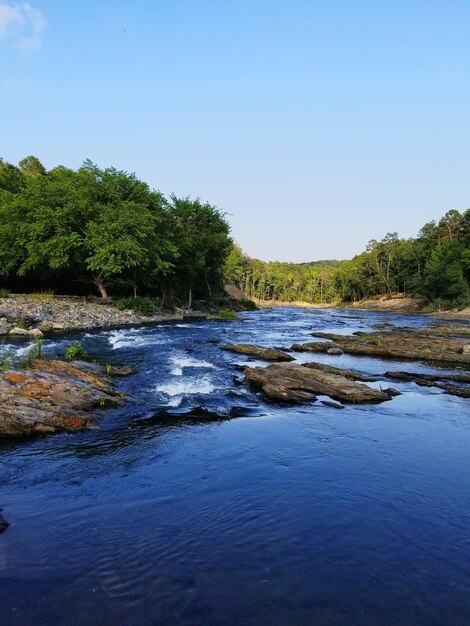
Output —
<point x="435" y="264"/>
<point x="104" y="229"/>
<point x="65" y="228"/>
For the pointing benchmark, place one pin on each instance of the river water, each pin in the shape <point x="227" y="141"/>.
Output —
<point x="200" y="503"/>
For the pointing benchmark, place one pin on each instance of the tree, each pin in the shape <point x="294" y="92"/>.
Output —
<point x="122" y="238"/>
<point x="31" y="166"/>
<point x="202" y="238"/>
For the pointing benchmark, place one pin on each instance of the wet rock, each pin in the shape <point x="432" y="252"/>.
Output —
<point x="115" y="371"/>
<point x="333" y="351"/>
<point x="53" y="396"/>
<point x="296" y="383"/>
<point x="397" y="343"/>
<point x="351" y="374"/>
<point x="312" y="346"/>
<point x="333" y="405"/>
<point x="264" y="354"/>
<point x="441" y="381"/>
<point x="3" y="524"/>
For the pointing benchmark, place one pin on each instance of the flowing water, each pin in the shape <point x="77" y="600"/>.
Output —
<point x="200" y="503"/>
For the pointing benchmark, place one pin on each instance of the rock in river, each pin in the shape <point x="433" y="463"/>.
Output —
<point x="427" y="344"/>
<point x="264" y="354"/>
<point x="52" y="396"/>
<point x="297" y="383"/>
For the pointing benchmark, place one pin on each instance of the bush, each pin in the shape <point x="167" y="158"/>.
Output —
<point x="248" y="305"/>
<point x="225" y="314"/>
<point x="4" y="293"/>
<point x="144" y="306"/>
<point x="75" y="352"/>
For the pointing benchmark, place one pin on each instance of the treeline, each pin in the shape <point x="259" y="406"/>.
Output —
<point x="435" y="264"/>
<point x="68" y="230"/>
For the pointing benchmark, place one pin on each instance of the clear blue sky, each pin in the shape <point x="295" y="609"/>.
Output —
<point x="316" y="125"/>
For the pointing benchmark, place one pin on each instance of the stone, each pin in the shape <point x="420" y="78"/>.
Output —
<point x="442" y="344"/>
<point x="264" y="354"/>
<point x="353" y="375"/>
<point x="446" y="382"/>
<point x="46" y="326"/>
<point x="312" y="346"/>
<point x="288" y="382"/>
<point x="35" y="333"/>
<point x="52" y="396"/>
<point x="334" y="351"/>
<point x="19" y="332"/>
<point x="115" y="371"/>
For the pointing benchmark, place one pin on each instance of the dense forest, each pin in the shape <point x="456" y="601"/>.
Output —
<point x="435" y="265"/>
<point x="68" y="231"/>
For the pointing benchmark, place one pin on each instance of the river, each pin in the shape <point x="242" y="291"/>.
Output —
<point x="198" y="503"/>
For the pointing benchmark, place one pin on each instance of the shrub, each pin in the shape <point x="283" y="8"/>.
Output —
<point x="4" y="293"/>
<point x="248" y="305"/>
<point x="225" y="314"/>
<point x="75" y="352"/>
<point x="144" y="306"/>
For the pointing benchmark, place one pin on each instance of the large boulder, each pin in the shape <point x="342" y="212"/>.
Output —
<point x="297" y="383"/>
<point x="53" y="396"/>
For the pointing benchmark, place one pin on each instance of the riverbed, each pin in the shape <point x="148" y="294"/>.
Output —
<point x="198" y="502"/>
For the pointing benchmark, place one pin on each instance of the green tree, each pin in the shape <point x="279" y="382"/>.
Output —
<point x="202" y="238"/>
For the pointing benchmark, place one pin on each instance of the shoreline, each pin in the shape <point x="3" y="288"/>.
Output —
<point x="398" y="305"/>
<point x="23" y="316"/>
<point x="29" y="317"/>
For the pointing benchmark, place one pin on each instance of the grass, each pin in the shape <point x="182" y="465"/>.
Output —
<point x="4" y="293"/>
<point x="47" y="295"/>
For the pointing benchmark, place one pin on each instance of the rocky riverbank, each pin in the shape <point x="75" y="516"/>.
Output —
<point x="32" y="316"/>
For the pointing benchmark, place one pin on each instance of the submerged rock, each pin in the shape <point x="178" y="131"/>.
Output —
<point x="264" y="354"/>
<point x="297" y="383"/>
<point x="441" y="381"/>
<point x="3" y="524"/>
<point x="53" y="396"/>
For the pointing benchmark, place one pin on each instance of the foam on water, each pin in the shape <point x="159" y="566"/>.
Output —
<point x="133" y="338"/>
<point x="16" y="350"/>
<point x="179" y="363"/>
<point x="177" y="390"/>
